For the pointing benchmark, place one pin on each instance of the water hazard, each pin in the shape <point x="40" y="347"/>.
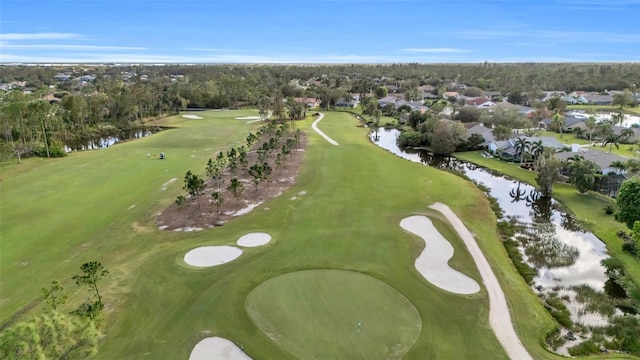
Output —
<point x="101" y="142"/>
<point x="566" y="258"/>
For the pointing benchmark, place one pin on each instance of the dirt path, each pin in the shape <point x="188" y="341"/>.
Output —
<point x="499" y="317"/>
<point x="315" y="128"/>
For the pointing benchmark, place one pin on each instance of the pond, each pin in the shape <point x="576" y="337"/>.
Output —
<point x="566" y="258"/>
<point x="93" y="143"/>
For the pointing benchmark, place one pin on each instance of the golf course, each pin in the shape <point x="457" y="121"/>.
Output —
<point x="336" y="278"/>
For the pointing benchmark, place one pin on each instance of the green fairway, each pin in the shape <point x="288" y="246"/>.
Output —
<point x="101" y="205"/>
<point x="314" y="314"/>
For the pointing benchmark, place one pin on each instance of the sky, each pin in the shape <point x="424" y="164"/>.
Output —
<point x="319" y="31"/>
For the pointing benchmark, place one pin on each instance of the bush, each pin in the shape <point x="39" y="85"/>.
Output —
<point x="609" y="209"/>
<point x="584" y="348"/>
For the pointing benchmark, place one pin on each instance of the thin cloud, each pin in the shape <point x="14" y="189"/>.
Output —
<point x="68" y="47"/>
<point x="435" y="50"/>
<point x="557" y="35"/>
<point x="38" y="36"/>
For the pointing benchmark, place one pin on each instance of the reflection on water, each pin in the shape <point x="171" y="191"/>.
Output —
<point x="563" y="254"/>
<point x="93" y="143"/>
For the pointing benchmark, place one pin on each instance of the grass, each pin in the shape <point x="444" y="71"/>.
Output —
<point x="101" y="205"/>
<point x="570" y="138"/>
<point x="326" y="306"/>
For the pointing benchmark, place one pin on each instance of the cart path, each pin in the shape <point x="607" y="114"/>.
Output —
<point x="315" y="128"/>
<point x="499" y="317"/>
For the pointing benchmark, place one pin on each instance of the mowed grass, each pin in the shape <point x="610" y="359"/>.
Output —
<point x="348" y="219"/>
<point x="347" y="314"/>
<point x="570" y="138"/>
<point x="95" y="205"/>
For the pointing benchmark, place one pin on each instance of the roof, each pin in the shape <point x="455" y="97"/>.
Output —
<point x="603" y="159"/>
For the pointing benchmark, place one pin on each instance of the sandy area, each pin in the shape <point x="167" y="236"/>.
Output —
<point x="248" y="118"/>
<point x="499" y="317"/>
<point x="432" y="262"/>
<point x="206" y="256"/>
<point x="193" y="117"/>
<point x="315" y="128"/>
<point x="254" y="239"/>
<point x="217" y="348"/>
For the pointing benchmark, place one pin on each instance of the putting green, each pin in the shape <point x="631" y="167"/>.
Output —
<point x="314" y="314"/>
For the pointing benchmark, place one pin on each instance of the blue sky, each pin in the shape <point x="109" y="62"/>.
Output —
<point x="319" y="31"/>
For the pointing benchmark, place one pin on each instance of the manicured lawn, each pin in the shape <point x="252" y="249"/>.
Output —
<point x="627" y="110"/>
<point x="570" y="138"/>
<point x="101" y="205"/>
<point x="314" y="314"/>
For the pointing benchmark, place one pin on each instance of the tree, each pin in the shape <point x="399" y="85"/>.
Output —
<point x="626" y="134"/>
<point x="591" y="125"/>
<point x="446" y="137"/>
<point x="623" y="99"/>
<point x="264" y="105"/>
<point x="612" y="140"/>
<point x="628" y="201"/>
<point x="52" y="294"/>
<point x="604" y="130"/>
<point x="194" y="185"/>
<point x="92" y="272"/>
<point x="501" y="132"/>
<point x="255" y="171"/>
<point x="557" y="105"/>
<point x="217" y="201"/>
<point x="557" y="122"/>
<point x="548" y="173"/>
<point x="468" y="114"/>
<point x="52" y="335"/>
<point x="521" y="146"/>
<point x="582" y="174"/>
<point x="236" y="188"/>
<point x="537" y="149"/>
<point x="619" y="166"/>
<point x="181" y="203"/>
<point x="381" y="92"/>
<point x="412" y="94"/>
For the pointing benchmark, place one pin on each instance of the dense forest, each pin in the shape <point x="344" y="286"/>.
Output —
<point x="39" y="112"/>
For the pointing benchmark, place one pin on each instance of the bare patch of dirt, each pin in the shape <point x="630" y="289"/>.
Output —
<point x="200" y="214"/>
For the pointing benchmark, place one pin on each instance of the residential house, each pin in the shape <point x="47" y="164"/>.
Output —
<point x="570" y="123"/>
<point x="62" y="77"/>
<point x="508" y="147"/>
<point x="480" y="103"/>
<point x="485" y="132"/>
<point x="450" y="94"/>
<point x="309" y="102"/>
<point x="552" y="94"/>
<point x="602" y="158"/>
<point x="426" y="88"/>
<point x="391" y="88"/>
<point x="599" y="99"/>
<point x="493" y="95"/>
<point x="428" y="96"/>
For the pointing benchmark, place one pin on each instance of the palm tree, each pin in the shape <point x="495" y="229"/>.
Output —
<point x="619" y="166"/>
<point x="558" y="122"/>
<point x="612" y="139"/>
<point x="604" y="130"/>
<point x="626" y="134"/>
<point x="633" y="166"/>
<point x="590" y="123"/>
<point x="521" y="146"/>
<point x="537" y="149"/>
<point x="579" y="132"/>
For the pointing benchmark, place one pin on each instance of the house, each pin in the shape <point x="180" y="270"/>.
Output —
<point x="309" y="102"/>
<point x="570" y="123"/>
<point x="428" y="96"/>
<point x="599" y="99"/>
<point x="508" y="147"/>
<point x="480" y="103"/>
<point x="602" y="158"/>
<point x="485" y="132"/>
<point x="392" y="88"/>
<point x="62" y="77"/>
<point x="553" y="94"/>
<point x="450" y="94"/>
<point x="426" y="88"/>
<point x="493" y="95"/>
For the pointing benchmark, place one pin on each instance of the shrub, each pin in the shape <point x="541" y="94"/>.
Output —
<point x="609" y="209"/>
<point x="584" y="348"/>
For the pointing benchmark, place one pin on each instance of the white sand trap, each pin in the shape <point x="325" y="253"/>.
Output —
<point x="432" y="262"/>
<point x="206" y="256"/>
<point x="217" y="348"/>
<point x="193" y="117"/>
<point x="248" y="118"/>
<point x="254" y="239"/>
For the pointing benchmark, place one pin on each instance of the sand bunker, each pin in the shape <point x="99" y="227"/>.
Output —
<point x="254" y="239"/>
<point x="217" y="348"/>
<point x="194" y="117"/>
<point x="206" y="256"/>
<point x="248" y="118"/>
<point x="432" y="262"/>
